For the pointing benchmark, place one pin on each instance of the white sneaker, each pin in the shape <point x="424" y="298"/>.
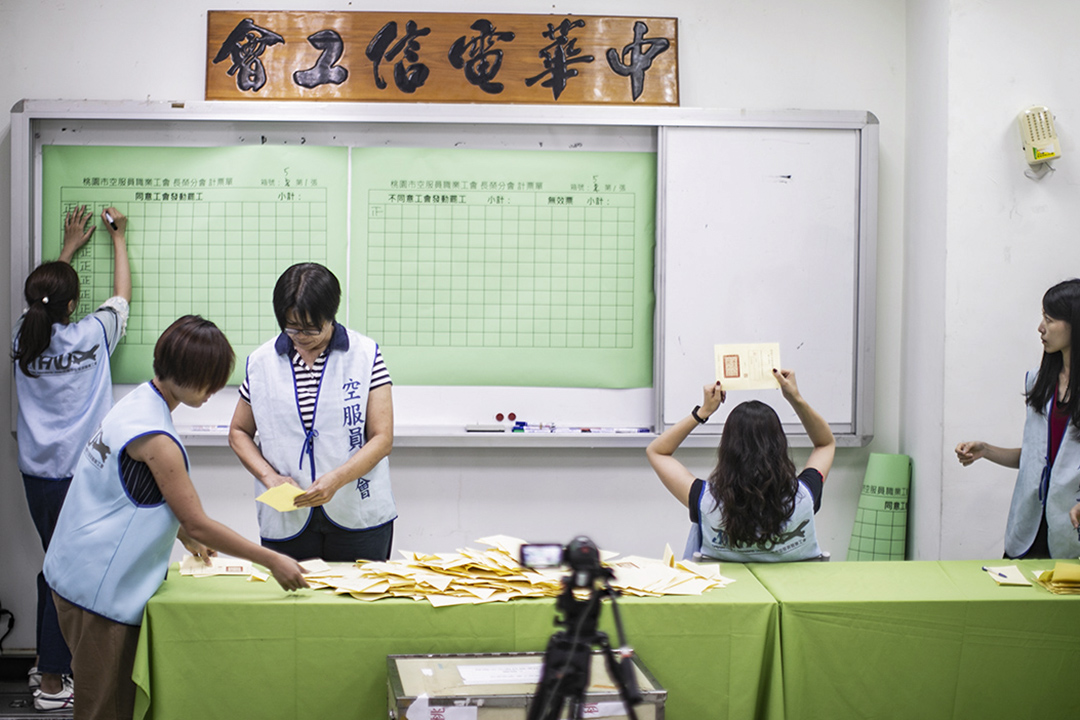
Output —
<point x="62" y="700"/>
<point x="33" y="678"/>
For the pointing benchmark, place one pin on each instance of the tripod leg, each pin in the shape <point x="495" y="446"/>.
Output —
<point x="564" y="675"/>
<point x="628" y="689"/>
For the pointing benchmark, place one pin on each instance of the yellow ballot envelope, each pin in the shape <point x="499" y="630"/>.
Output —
<point x="280" y="497"/>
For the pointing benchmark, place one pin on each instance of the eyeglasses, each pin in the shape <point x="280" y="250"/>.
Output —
<point x="309" y="332"/>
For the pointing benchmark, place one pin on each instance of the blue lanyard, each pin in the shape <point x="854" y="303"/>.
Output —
<point x="1044" y="480"/>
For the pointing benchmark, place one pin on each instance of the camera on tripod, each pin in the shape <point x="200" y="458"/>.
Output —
<point x="565" y="673"/>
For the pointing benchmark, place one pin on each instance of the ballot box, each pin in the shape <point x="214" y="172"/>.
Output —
<point x="500" y="686"/>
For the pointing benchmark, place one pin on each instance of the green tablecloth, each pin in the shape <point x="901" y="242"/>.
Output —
<point x="224" y="647"/>
<point x="922" y="640"/>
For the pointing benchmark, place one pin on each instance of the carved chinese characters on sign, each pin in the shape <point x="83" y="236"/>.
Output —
<point x="245" y="46"/>
<point x="441" y="57"/>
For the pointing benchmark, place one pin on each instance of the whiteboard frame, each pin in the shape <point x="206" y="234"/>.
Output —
<point x="26" y="211"/>
<point x="860" y="431"/>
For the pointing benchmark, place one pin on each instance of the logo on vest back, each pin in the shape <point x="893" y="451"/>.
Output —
<point x="96" y="451"/>
<point x="784" y="538"/>
<point x="74" y="361"/>
<point x="720" y="540"/>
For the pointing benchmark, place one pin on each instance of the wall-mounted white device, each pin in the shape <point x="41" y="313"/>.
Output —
<point x="1037" y="132"/>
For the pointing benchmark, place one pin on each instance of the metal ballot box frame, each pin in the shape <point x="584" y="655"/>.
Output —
<point x="500" y="686"/>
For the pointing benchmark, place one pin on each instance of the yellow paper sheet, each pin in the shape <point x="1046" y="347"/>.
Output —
<point x="280" y="497"/>
<point x="747" y="366"/>
<point x="315" y="566"/>
<point x="1068" y="573"/>
<point x="1064" y="579"/>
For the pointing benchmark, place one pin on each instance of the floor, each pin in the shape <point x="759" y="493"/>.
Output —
<point x="16" y="703"/>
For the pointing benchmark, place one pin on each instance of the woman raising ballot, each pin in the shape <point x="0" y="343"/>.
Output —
<point x="1048" y="484"/>
<point x="319" y="397"/>
<point x="753" y="508"/>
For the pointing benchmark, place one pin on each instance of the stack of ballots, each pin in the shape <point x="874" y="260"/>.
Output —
<point x="470" y="576"/>
<point x="1064" y="579"/>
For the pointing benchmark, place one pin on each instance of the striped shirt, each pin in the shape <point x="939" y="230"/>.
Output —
<point x="139" y="482"/>
<point x="306" y="379"/>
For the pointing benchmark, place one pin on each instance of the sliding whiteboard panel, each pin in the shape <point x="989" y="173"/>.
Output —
<point x="507" y="241"/>
<point x="765" y="240"/>
<point x="763" y="224"/>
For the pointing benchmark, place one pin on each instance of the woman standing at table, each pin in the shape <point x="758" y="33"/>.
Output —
<point x="130" y="498"/>
<point x="753" y="507"/>
<point x="64" y="385"/>
<point x="319" y="396"/>
<point x="1048" y="459"/>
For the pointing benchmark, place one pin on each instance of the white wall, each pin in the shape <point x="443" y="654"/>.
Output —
<point x="807" y="54"/>
<point x="925" y="201"/>
<point x="1007" y="237"/>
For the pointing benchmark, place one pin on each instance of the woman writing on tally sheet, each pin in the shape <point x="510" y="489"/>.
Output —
<point x="130" y="499"/>
<point x="64" y="386"/>
<point x="1048" y="460"/>
<point x="753" y="507"/>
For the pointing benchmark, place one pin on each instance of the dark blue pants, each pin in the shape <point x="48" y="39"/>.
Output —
<point x="45" y="498"/>
<point x="323" y="539"/>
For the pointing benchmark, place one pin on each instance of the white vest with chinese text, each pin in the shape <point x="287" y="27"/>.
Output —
<point x="338" y="431"/>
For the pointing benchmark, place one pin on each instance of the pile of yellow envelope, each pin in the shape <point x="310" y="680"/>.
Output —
<point x="1064" y="579"/>
<point x="471" y="577"/>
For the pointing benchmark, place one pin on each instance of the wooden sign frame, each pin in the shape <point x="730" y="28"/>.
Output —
<point x="441" y="57"/>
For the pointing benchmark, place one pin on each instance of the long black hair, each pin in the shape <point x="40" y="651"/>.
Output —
<point x="1061" y="302"/>
<point x="48" y="290"/>
<point x="754" y="480"/>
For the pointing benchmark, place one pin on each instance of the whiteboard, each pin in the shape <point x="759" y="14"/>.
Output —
<point x="768" y="238"/>
<point x="687" y="144"/>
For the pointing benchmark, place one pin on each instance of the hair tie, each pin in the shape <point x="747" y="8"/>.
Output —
<point x="45" y="300"/>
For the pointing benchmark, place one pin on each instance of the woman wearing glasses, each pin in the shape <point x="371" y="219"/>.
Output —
<point x="319" y="396"/>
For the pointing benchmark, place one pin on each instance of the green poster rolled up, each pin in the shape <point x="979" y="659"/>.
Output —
<point x="880" y="531"/>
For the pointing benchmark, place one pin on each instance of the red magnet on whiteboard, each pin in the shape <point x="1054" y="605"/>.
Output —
<point x="511" y="417"/>
<point x="499" y="417"/>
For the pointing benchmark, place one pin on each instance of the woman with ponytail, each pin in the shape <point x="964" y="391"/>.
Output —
<point x="63" y="382"/>
<point x="1048" y="484"/>
<point x="753" y="507"/>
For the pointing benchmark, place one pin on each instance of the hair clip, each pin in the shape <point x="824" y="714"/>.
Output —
<point x="45" y="300"/>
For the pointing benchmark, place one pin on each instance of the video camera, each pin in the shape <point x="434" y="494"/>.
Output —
<point x="581" y="556"/>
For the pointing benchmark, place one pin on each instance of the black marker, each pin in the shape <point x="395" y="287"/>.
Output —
<point x="109" y="219"/>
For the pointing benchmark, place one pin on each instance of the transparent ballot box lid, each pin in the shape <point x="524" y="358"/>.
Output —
<point x="500" y="686"/>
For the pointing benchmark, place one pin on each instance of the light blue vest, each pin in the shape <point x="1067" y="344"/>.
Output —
<point x="1035" y="483"/>
<point x="109" y="555"/>
<point x="62" y="407"/>
<point x="797" y="540"/>
<point x="338" y="432"/>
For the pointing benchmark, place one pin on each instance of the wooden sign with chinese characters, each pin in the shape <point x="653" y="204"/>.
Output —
<point x="441" y="57"/>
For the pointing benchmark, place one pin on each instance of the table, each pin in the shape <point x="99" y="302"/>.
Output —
<point x="224" y="647"/>
<point x="922" y="640"/>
